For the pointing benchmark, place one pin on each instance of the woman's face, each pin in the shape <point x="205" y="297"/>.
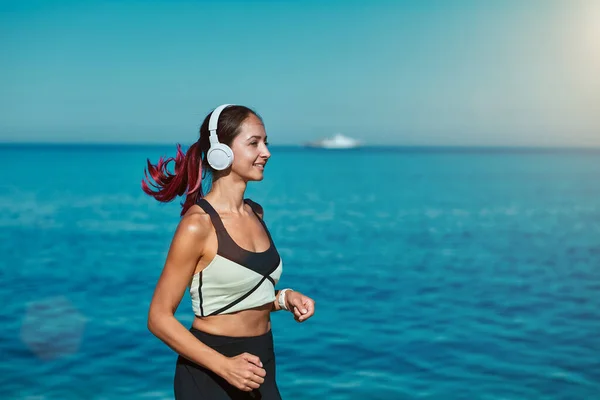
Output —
<point x="250" y="150"/>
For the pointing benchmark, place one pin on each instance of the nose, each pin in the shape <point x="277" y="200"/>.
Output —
<point x="265" y="153"/>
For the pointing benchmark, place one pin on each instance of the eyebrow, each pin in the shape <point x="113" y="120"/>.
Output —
<point x="256" y="136"/>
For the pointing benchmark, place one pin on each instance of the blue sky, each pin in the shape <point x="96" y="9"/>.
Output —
<point x="509" y="73"/>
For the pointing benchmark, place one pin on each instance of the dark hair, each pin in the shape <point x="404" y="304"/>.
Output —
<point x="191" y="168"/>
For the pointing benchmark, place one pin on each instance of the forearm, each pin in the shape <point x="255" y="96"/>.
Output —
<point x="168" y="329"/>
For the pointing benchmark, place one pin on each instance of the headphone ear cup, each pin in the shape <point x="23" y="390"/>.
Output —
<point x="220" y="156"/>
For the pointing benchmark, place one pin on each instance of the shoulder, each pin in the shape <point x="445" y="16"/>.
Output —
<point x="256" y="207"/>
<point x="195" y="224"/>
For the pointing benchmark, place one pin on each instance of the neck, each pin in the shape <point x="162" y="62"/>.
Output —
<point x="227" y="194"/>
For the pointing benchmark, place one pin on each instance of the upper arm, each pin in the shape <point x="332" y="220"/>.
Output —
<point x="184" y="253"/>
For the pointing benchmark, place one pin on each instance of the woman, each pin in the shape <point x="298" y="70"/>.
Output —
<point x="223" y="253"/>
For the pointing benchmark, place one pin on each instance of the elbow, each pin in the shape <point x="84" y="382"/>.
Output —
<point x="154" y="322"/>
<point x="151" y="323"/>
<point x="160" y="318"/>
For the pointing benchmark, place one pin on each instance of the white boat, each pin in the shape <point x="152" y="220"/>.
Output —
<point x="338" y="141"/>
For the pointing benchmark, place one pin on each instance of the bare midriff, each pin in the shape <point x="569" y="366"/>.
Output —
<point x="252" y="322"/>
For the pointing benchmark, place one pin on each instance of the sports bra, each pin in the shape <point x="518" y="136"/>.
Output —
<point x="236" y="279"/>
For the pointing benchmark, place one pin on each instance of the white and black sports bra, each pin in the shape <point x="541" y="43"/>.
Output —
<point x="236" y="279"/>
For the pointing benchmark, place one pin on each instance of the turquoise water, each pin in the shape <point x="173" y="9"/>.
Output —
<point x="438" y="273"/>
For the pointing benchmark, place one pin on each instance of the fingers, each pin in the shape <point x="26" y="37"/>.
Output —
<point x="260" y="372"/>
<point x="253" y="380"/>
<point x="303" y="310"/>
<point x="301" y="306"/>
<point x="299" y="310"/>
<point x="250" y="375"/>
<point x="255" y="371"/>
<point x="296" y="312"/>
<point x="252" y="358"/>
<point x="310" y="307"/>
<point x="297" y="304"/>
<point x="299" y="316"/>
<point x="309" y="304"/>
<point x="250" y="386"/>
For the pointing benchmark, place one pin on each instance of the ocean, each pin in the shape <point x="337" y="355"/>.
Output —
<point x="438" y="273"/>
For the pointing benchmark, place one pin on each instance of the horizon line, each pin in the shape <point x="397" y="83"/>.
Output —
<point x="303" y="146"/>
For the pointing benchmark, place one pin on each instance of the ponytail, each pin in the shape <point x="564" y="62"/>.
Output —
<point x="187" y="177"/>
<point x="189" y="167"/>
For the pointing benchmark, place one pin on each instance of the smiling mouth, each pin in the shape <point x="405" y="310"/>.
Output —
<point x="260" y="166"/>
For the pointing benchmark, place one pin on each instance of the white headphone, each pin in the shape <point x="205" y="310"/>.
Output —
<point x="219" y="155"/>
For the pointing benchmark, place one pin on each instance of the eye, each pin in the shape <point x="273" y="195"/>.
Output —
<point x="266" y="143"/>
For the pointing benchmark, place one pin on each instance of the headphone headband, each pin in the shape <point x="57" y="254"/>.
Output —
<point x="214" y="119"/>
<point x="219" y="156"/>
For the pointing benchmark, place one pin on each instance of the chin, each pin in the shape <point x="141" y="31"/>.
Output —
<point x="256" y="178"/>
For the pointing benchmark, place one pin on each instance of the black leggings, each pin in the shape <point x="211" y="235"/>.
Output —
<point x="195" y="382"/>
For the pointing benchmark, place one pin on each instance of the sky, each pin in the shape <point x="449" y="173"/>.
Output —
<point x="423" y="72"/>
